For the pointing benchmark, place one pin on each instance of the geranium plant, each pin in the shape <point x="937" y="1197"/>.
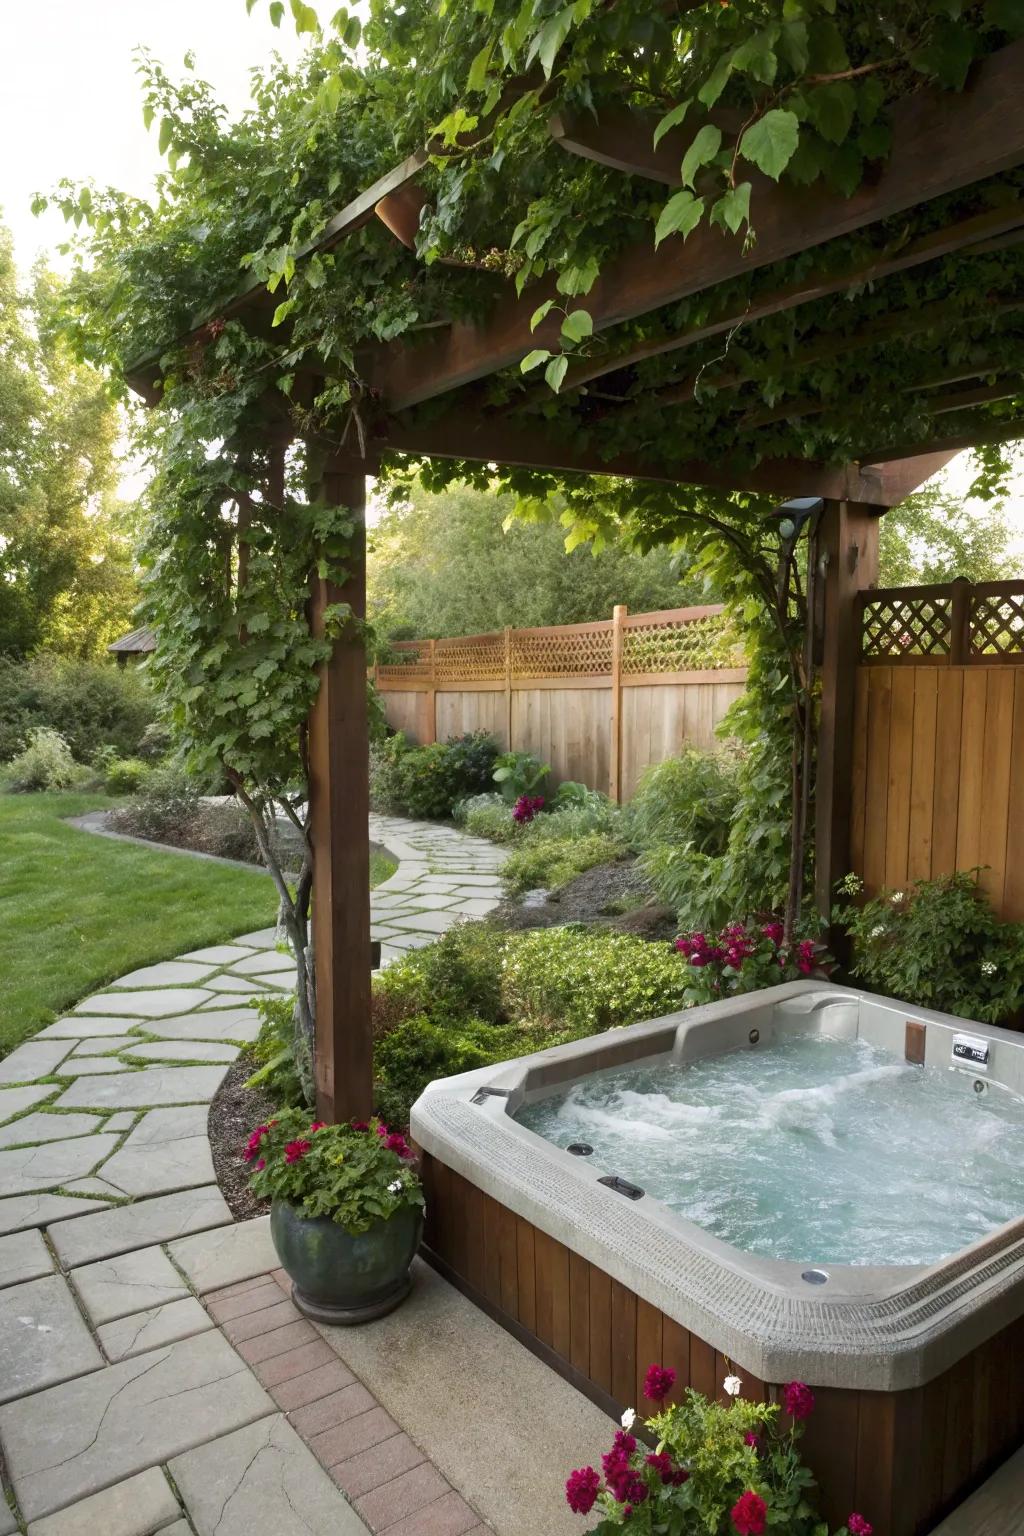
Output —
<point x="746" y="956"/>
<point x="356" y="1174"/>
<point x="715" y="1470"/>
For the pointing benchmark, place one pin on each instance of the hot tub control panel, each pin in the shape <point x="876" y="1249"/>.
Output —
<point x="971" y="1051"/>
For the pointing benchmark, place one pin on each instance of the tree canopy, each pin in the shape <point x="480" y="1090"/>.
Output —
<point x="66" y="566"/>
<point x="936" y="535"/>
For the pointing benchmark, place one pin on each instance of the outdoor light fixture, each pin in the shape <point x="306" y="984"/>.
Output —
<point x="792" y="515"/>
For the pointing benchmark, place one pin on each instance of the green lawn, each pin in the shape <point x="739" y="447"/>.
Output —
<point x="77" y="910"/>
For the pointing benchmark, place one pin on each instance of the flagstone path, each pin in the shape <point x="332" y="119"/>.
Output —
<point x="113" y="1231"/>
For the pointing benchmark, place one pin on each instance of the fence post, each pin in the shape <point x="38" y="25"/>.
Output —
<point x="428" y="719"/>
<point x="960" y="623"/>
<point x="615" y="753"/>
<point x="508" y="687"/>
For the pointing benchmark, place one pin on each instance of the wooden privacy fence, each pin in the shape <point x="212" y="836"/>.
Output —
<point x="938" y="747"/>
<point x="598" y="701"/>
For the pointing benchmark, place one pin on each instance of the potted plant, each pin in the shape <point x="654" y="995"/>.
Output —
<point x="346" y="1212"/>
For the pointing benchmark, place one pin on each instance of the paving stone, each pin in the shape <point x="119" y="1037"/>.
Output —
<point x="423" y="922"/>
<point x="476" y="908"/>
<point x="169" y="973"/>
<point x="44" y="1337"/>
<point x="262" y="938"/>
<point x="145" y="1005"/>
<point x="22" y="1211"/>
<point x="279" y="1342"/>
<point x="44" y="1127"/>
<point x="111" y="1232"/>
<point x="261" y="1320"/>
<point x="151" y="1087"/>
<point x="180" y="1050"/>
<point x="23" y="1256"/>
<point x="414" y="941"/>
<point x="13" y="1101"/>
<point x="139" y="1506"/>
<point x="8" y="1525"/>
<point x="132" y="1282"/>
<point x="73" y="1440"/>
<point x="238" y="1025"/>
<point x="251" y="987"/>
<point x="261" y="964"/>
<point x="37" y="1058"/>
<point x="347" y="1440"/>
<point x="142" y="1331"/>
<point x="261" y="1478"/>
<point x="84" y="1028"/>
<point x="224" y="1307"/>
<point x="403" y="1496"/>
<point x="160" y="1125"/>
<point x="391" y="1458"/>
<point x="308" y="1357"/>
<point x="450" y="1516"/>
<point x="214" y="1259"/>
<point x="182" y="1528"/>
<point x="90" y="1066"/>
<point x="102" y="1045"/>
<point x="218" y="954"/>
<point x="94" y="1186"/>
<point x="140" y="1168"/>
<point x="25" y="1169"/>
<point x="300" y="1390"/>
<point x="336" y="1408"/>
<point x="120" y="1122"/>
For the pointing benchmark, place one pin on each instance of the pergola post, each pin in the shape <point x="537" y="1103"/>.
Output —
<point x="848" y="546"/>
<point x="339" y="829"/>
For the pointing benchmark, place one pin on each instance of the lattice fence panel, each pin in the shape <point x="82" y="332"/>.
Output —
<point x="470" y="659"/>
<point x="561" y="653"/>
<point x="681" y="645"/>
<point x="997" y="624"/>
<point x="896" y="627"/>
<point x="410" y="663"/>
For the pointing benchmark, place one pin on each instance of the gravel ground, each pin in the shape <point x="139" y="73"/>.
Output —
<point x="234" y="1112"/>
<point x="616" y="895"/>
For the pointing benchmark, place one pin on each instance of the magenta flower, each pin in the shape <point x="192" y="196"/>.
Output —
<point x="252" y="1146"/>
<point x="798" y="1399"/>
<point x="774" y="931"/>
<point x="261" y="1165"/>
<point x="749" y="1514"/>
<point x="858" y="1526"/>
<point x="581" y="1489"/>
<point x="526" y="808"/>
<point x="397" y="1143"/>
<point x="359" y="1125"/>
<point x="318" y="1125"/>
<point x="806" y="958"/>
<point x="751" y="1439"/>
<point x="658" y="1382"/>
<point x="661" y="1462"/>
<point x="296" y="1150"/>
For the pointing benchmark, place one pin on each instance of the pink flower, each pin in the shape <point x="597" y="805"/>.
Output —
<point x="252" y="1146"/>
<point x="749" y="1514"/>
<point x="526" y="807"/>
<point x="798" y="1399"/>
<point x="858" y="1526"/>
<point x="296" y="1150"/>
<point x="774" y="931"/>
<point x="658" y="1382"/>
<point x="806" y="959"/>
<point x="581" y="1489"/>
<point x="318" y="1125"/>
<point x="383" y="1130"/>
<point x="359" y="1125"/>
<point x="751" y="1439"/>
<point x="661" y="1462"/>
<point x="261" y="1165"/>
<point x="397" y="1143"/>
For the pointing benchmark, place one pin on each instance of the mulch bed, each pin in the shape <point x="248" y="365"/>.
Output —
<point x="234" y="1112"/>
<point x="617" y="896"/>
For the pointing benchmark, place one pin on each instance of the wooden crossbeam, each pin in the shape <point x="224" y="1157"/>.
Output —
<point x="623" y="140"/>
<point x="465" y="434"/>
<point x="941" y="141"/>
<point x="982" y="430"/>
<point x="815" y="405"/>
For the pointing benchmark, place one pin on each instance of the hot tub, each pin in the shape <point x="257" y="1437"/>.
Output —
<point x="594" y="1259"/>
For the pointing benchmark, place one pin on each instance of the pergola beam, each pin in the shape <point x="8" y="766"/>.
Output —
<point x="941" y="142"/>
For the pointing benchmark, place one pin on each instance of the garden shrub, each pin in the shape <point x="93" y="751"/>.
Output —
<point x="583" y="980"/>
<point x="166" y="805"/>
<point x="687" y="800"/>
<point x="274" y="1050"/>
<point x="155" y="742"/>
<point x="519" y="773"/>
<point x="125" y="775"/>
<point x="489" y="816"/>
<point x="430" y="781"/>
<point x="90" y="703"/>
<point x="45" y="764"/>
<point x="384" y="778"/>
<point x="551" y="862"/>
<point x="458" y="977"/>
<point x="745" y="957"/>
<point x="937" y="944"/>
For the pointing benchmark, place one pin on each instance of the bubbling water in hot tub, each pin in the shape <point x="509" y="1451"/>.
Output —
<point x="812" y="1150"/>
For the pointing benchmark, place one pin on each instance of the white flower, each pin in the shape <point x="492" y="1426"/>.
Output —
<point x="877" y="931"/>
<point x="732" y="1385"/>
<point x="896" y="896"/>
<point x="394" y="1188"/>
<point x="988" y="967"/>
<point x="627" y="1418"/>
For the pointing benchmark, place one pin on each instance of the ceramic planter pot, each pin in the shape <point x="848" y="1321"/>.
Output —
<point x="341" y="1279"/>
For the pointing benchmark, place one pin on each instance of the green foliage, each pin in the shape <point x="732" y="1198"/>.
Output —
<point x="92" y="704"/>
<point x="385" y="756"/>
<point x="458" y="977"/>
<point x="938" y="944"/>
<point x="519" y="773"/>
<point x="274" y="1050"/>
<point x="488" y="816"/>
<point x="688" y="801"/>
<point x="355" y="1177"/>
<point x="125" y="775"/>
<point x="584" y="981"/>
<point x="455" y="563"/>
<point x="746" y="957"/>
<point x="429" y="781"/>
<point x="46" y="763"/>
<point x="935" y="536"/>
<point x="65" y="542"/>
<point x="167" y="802"/>
<point x="551" y="861"/>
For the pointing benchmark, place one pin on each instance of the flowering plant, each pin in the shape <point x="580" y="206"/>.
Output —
<point x="526" y="808"/>
<point x="746" y="956"/>
<point x="356" y="1174"/>
<point x="715" y="1470"/>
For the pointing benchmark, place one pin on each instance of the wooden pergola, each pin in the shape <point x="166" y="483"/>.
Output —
<point x="946" y="194"/>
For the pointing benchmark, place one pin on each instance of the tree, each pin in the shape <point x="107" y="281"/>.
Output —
<point x="451" y="563"/>
<point x="935" y="536"/>
<point x="66" y="567"/>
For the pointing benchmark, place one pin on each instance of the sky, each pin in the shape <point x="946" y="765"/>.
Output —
<point x="70" y="105"/>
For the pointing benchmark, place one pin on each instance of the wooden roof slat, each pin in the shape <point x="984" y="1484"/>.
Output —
<point x="941" y="142"/>
<point x="984" y="430"/>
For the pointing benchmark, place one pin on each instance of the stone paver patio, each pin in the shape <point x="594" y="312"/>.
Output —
<point x="113" y="1233"/>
